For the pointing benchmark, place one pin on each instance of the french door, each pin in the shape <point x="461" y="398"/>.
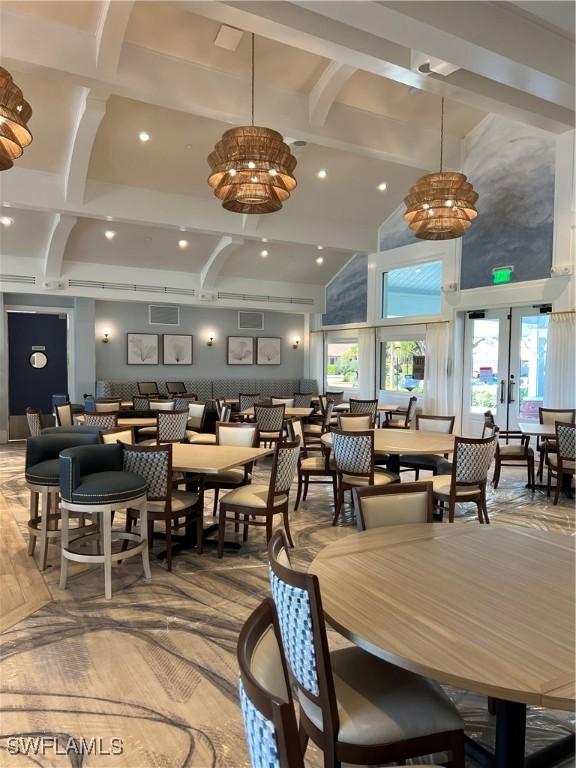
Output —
<point x="504" y="366"/>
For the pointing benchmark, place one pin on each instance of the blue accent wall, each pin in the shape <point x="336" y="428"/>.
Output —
<point x="347" y="294"/>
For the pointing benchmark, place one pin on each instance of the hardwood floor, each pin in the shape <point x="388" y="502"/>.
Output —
<point x="155" y="667"/>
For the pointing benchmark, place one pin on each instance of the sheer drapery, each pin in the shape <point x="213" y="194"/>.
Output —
<point x="560" y="382"/>
<point x="317" y="360"/>
<point x="366" y="363"/>
<point x="436" y="399"/>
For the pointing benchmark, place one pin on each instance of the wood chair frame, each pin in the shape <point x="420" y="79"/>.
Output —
<point x="392" y="489"/>
<point x="561" y="470"/>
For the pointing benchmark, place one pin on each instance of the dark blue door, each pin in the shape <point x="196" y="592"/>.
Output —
<point x="29" y="333"/>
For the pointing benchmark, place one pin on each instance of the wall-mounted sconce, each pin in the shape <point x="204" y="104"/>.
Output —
<point x="295" y="342"/>
<point x="210" y="341"/>
<point x="105" y="335"/>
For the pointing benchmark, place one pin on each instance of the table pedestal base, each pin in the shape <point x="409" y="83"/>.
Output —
<point x="511" y="743"/>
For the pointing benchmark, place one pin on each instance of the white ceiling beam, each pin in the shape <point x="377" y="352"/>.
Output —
<point x="326" y="89"/>
<point x="62" y="225"/>
<point x="91" y="110"/>
<point x="218" y="258"/>
<point x="343" y="41"/>
<point x="110" y="34"/>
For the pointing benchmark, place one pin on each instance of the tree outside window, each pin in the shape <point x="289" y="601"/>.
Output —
<point x="342" y="365"/>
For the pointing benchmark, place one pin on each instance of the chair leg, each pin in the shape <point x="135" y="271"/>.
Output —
<point x="302" y="738"/>
<point x="287" y="528"/>
<point x="216" y="495"/>
<point x="549" y="483"/>
<point x="306" y="480"/>
<point x="33" y="519"/>
<point x="107" y="536"/>
<point x="334" y="488"/>
<point x="496" y="478"/>
<point x="559" y="480"/>
<point x="451" y="510"/>
<point x="457" y="759"/>
<point x="46" y="498"/>
<point x="485" y="507"/>
<point x="417" y="474"/>
<point x="339" y="502"/>
<point x="541" y="465"/>
<point x="245" y="528"/>
<point x="128" y="529"/>
<point x="168" y="523"/>
<point x="299" y="492"/>
<point x="144" y="534"/>
<point x="64" y="544"/>
<point x="480" y="511"/>
<point x="200" y="532"/>
<point x="221" y="530"/>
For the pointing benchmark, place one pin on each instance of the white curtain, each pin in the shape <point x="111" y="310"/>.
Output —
<point x="317" y="360"/>
<point x="366" y="363"/>
<point x="436" y="398"/>
<point x="560" y="381"/>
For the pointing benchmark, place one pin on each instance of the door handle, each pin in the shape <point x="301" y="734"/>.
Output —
<point x="511" y="385"/>
<point x="502" y="385"/>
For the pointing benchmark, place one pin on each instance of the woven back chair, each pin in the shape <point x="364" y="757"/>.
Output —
<point x="140" y="403"/>
<point x="171" y="426"/>
<point x="364" y="406"/>
<point x="270" y="420"/>
<point x="337" y="397"/>
<point x="34" y="419"/>
<point x="181" y="403"/>
<point x="431" y="462"/>
<point x="107" y="406"/>
<point x="248" y="400"/>
<point x="562" y="463"/>
<point x="547" y="445"/>
<point x="104" y="420"/>
<point x="302" y="400"/>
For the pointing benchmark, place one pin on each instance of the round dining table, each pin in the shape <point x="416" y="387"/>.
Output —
<point x="395" y="442"/>
<point x="488" y="609"/>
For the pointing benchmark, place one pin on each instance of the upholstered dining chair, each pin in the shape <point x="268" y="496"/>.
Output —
<point x="472" y="458"/>
<point x="353" y="454"/>
<point x="563" y="461"/>
<point x="515" y="453"/>
<point x="395" y="504"/>
<point x="176" y="509"/>
<point x="318" y="466"/>
<point x="270" y="420"/>
<point x="264" y="689"/>
<point x="107" y="406"/>
<point x="302" y="400"/>
<point x="123" y="435"/>
<point x="140" y="403"/>
<point x="258" y="504"/>
<point x="196" y="420"/>
<point x="402" y="421"/>
<point x="287" y="401"/>
<point x="171" y="427"/>
<point x="155" y="406"/>
<point x="355" y="422"/>
<point x="181" y="402"/>
<point x="431" y="462"/>
<point x="547" y="445"/>
<point x="34" y="419"/>
<point x="364" y="406"/>
<point x="313" y="431"/>
<point x="240" y="435"/>
<point x="358" y="709"/>
<point x="63" y="413"/>
<point x="104" y="420"/>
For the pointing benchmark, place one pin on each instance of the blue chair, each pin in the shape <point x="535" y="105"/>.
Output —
<point x="93" y="480"/>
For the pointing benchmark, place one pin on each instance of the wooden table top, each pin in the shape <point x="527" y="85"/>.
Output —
<point x="289" y="412"/>
<point x="407" y="441"/>
<point x="211" y="459"/>
<point x="461" y="604"/>
<point x="135" y="422"/>
<point x="535" y="428"/>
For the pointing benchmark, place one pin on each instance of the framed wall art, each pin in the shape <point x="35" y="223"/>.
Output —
<point x="268" y="350"/>
<point x="142" y="348"/>
<point x="177" y="349"/>
<point x="240" y="350"/>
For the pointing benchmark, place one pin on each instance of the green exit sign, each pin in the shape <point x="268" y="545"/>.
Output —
<point x="502" y="275"/>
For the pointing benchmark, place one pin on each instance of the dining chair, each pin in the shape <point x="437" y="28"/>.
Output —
<point x="354" y="458"/>
<point x="155" y="406"/>
<point x="63" y="413"/>
<point x="107" y="406"/>
<point x="239" y="435"/>
<point x="514" y="454"/>
<point x="264" y="689"/>
<point x="302" y="400"/>
<point x="270" y="420"/>
<point x="140" y="403"/>
<point x="123" y="435"/>
<point x="395" y="504"/>
<point x="176" y="509"/>
<point x="196" y="421"/>
<point x="364" y="406"/>
<point x="246" y="401"/>
<point x="472" y="458"/>
<point x="313" y="431"/>
<point x="357" y="708"/>
<point x="402" y="422"/>
<point x="181" y="402"/>
<point x="545" y="445"/>
<point x="34" y="419"/>
<point x="562" y="463"/>
<point x="287" y="401"/>
<point x="357" y="422"/>
<point x="429" y="461"/>
<point x="104" y="420"/>
<point x="148" y="388"/>
<point x="320" y="466"/>
<point x="336" y="397"/>
<point x="258" y="504"/>
<point x="171" y="427"/>
<point x="176" y="388"/>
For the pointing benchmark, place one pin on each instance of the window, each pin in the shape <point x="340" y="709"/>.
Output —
<point x="412" y="291"/>
<point x="342" y="365"/>
<point x="402" y="366"/>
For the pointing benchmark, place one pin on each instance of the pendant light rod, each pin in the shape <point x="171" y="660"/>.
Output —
<point x="442" y="135"/>
<point x="253" y="79"/>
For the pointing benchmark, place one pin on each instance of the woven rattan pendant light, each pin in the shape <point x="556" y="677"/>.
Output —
<point x="252" y="167"/>
<point x="440" y="206"/>
<point x="14" y="115"/>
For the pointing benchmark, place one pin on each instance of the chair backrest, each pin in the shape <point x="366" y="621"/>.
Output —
<point x="226" y="412"/>
<point x="248" y="400"/>
<point x="353" y="452"/>
<point x="294" y="428"/>
<point x="552" y="415"/>
<point x="123" y="435"/>
<point x="411" y="412"/>
<point x="140" y="403"/>
<point x="175" y="388"/>
<point x="181" y="403"/>
<point x="472" y="458"/>
<point x="327" y="411"/>
<point x="196" y="415"/>
<point x="265" y="696"/>
<point x="243" y="434"/>
<point x="161" y="405"/>
<point x="148" y="388"/>
<point x="302" y="400"/>
<point x="338" y="397"/>
<point x="63" y="414"/>
<point x="270" y="418"/>
<point x="34" y="419"/>
<point x="358" y="422"/>
<point x="565" y="440"/>
<point x="364" y="406"/>
<point x="284" y="468"/>
<point x="435" y="423"/>
<point x="296" y="595"/>
<point x="106" y="406"/>
<point x="154" y="464"/>
<point x="393" y="504"/>
<point x="104" y="420"/>
<point x="489" y="427"/>
<point x="287" y="401"/>
<point x="171" y="426"/>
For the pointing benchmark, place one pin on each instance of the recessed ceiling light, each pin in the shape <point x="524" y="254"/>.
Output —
<point x="110" y="234"/>
<point x="182" y="243"/>
<point x="182" y="229"/>
<point x="263" y="254"/>
<point x="7" y="221"/>
<point x="382" y="186"/>
<point x="188" y="146"/>
<point x="108" y="218"/>
<point x="144" y="137"/>
<point x="322" y="173"/>
<point x="264" y="239"/>
<point x="320" y="260"/>
<point x="320" y="247"/>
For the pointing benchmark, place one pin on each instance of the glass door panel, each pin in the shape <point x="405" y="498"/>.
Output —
<point x="527" y="365"/>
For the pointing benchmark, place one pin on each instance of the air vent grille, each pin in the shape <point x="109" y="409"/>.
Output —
<point x="250" y="321"/>
<point x="163" y="315"/>
<point x="268" y="299"/>
<point x="28" y="279"/>
<point x="130" y="287"/>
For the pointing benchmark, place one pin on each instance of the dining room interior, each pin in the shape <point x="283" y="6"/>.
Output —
<point x="287" y="383"/>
